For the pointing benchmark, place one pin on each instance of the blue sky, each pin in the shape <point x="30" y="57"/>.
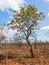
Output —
<point x="42" y="5"/>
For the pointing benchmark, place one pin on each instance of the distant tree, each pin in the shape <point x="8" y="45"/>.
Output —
<point x="2" y="37"/>
<point x="27" y="21"/>
<point x="18" y="38"/>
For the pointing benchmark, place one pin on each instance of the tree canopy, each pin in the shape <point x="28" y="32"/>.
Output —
<point x="27" y="20"/>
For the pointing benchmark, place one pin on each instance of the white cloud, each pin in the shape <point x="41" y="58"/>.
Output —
<point x="47" y="0"/>
<point x="13" y="4"/>
<point x="5" y="31"/>
<point x="48" y="13"/>
<point x="11" y="32"/>
<point x="44" y="28"/>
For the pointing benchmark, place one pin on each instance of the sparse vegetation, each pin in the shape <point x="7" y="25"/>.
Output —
<point x="16" y="55"/>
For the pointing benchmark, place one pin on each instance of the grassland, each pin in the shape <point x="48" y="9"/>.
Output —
<point x="20" y="55"/>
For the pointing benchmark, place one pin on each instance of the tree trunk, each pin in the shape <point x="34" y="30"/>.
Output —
<point x="35" y="43"/>
<point x="31" y="49"/>
<point x="28" y="42"/>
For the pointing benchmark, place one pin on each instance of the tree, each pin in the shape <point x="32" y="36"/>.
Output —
<point x="27" y="21"/>
<point x="2" y="37"/>
<point x="18" y="38"/>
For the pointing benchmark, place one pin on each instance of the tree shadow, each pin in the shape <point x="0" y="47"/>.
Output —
<point x="26" y="56"/>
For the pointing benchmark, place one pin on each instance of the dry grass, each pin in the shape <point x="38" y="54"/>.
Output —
<point x="21" y="56"/>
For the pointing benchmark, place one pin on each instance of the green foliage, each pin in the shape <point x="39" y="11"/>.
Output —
<point x="27" y="16"/>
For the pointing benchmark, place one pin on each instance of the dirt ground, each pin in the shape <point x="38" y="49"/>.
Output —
<point x="20" y="55"/>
